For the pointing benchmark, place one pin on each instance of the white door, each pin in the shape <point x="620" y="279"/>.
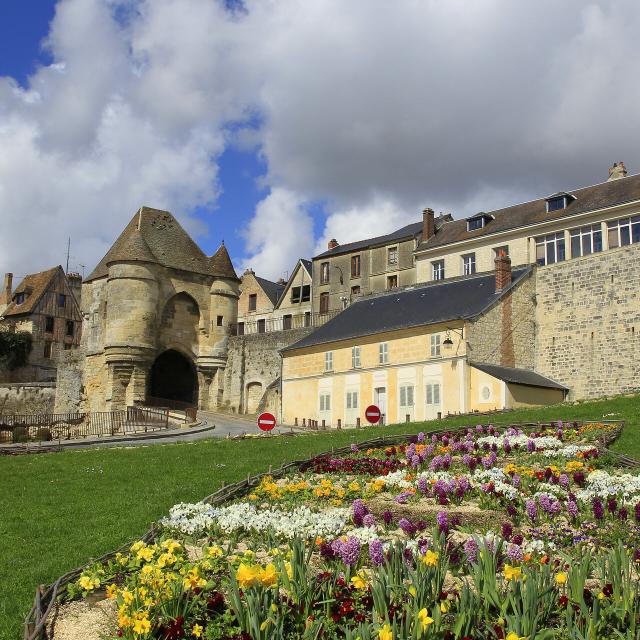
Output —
<point x="380" y="400"/>
<point x="433" y="399"/>
<point x="352" y="408"/>
<point x="325" y="408"/>
<point x="406" y="402"/>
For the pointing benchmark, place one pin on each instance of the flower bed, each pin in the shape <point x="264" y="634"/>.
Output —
<point x="480" y="533"/>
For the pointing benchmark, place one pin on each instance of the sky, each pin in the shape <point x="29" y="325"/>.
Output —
<point x="276" y="125"/>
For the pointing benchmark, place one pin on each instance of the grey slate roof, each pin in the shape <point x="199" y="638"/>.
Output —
<point x="307" y="264"/>
<point x="405" y="233"/>
<point x="518" y="376"/>
<point x="586" y="199"/>
<point x="273" y="290"/>
<point x="455" y="299"/>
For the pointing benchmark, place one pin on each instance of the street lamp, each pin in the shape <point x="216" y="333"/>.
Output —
<point x="447" y="343"/>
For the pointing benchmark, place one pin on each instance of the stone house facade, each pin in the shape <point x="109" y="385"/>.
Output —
<point x="158" y="314"/>
<point x="44" y="305"/>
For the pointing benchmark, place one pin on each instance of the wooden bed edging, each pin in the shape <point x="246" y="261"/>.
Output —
<point x="45" y="597"/>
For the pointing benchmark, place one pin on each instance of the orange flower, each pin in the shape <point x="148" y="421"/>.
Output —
<point x="544" y="560"/>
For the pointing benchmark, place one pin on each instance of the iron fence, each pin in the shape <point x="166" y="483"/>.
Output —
<point x="68" y="426"/>
<point x="284" y="323"/>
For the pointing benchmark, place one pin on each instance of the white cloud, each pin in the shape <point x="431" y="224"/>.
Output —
<point x="378" y="109"/>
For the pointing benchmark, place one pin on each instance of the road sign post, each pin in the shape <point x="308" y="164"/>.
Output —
<point x="373" y="414"/>
<point x="266" y="421"/>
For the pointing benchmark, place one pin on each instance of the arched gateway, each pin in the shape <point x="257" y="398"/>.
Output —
<point x="173" y="377"/>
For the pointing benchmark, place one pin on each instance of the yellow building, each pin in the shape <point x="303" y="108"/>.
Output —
<point x="445" y="347"/>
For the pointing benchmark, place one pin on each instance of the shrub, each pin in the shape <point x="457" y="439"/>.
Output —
<point x="43" y="433"/>
<point x="20" y="434"/>
<point x="14" y="349"/>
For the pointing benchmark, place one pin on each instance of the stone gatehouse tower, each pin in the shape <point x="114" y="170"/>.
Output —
<point x="157" y="316"/>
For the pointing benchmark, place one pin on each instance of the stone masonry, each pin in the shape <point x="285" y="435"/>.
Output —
<point x="588" y="317"/>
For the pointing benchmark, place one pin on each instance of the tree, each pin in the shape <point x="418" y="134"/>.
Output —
<point x="15" y="348"/>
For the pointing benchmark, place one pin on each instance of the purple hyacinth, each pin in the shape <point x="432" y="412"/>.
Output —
<point x="429" y="449"/>
<point x="387" y="516"/>
<point x="401" y="498"/>
<point x="359" y="511"/>
<point x="349" y="551"/>
<point x="531" y="509"/>
<point x="421" y="436"/>
<point x="572" y="509"/>
<point x="471" y="549"/>
<point x="354" y="448"/>
<point x="531" y="446"/>
<point x="545" y="503"/>
<point x="434" y="438"/>
<point x="517" y="539"/>
<point x="515" y="480"/>
<point x="511" y="510"/>
<point x="564" y="480"/>
<point x="466" y="459"/>
<point x="442" y="518"/>
<point x="446" y="460"/>
<point x="507" y="530"/>
<point x="479" y="428"/>
<point x="598" y="509"/>
<point x="514" y="553"/>
<point x="369" y="520"/>
<point x="375" y="552"/>
<point x="612" y="505"/>
<point x="623" y="514"/>
<point x="423" y="485"/>
<point x="407" y="526"/>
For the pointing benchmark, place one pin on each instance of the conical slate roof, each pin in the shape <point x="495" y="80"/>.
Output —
<point x="156" y="236"/>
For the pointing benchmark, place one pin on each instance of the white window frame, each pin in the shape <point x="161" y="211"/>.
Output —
<point x="407" y="396"/>
<point x="328" y="360"/>
<point x="325" y="402"/>
<point x="392" y="251"/>
<point x="468" y="264"/>
<point x="435" y="345"/>
<point x="615" y="227"/>
<point x="383" y="353"/>
<point x="351" y="401"/>
<point x="551" y="239"/>
<point x="355" y="358"/>
<point x="433" y="389"/>
<point x="497" y="250"/>
<point x="437" y="270"/>
<point x="586" y="234"/>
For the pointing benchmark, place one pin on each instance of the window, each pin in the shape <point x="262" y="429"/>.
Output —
<point x="355" y="266"/>
<point x="262" y="326"/>
<point x="307" y="318"/>
<point x="328" y="361"/>
<point x="550" y="248"/>
<point x="623" y="232"/>
<point x="586" y="240"/>
<point x="355" y="291"/>
<point x="61" y="299"/>
<point x="501" y="251"/>
<point x="392" y="255"/>
<point x="468" y="264"/>
<point x="383" y="352"/>
<point x="406" y="395"/>
<point x="325" y="402"/>
<point x="324" y="273"/>
<point x="240" y="328"/>
<point x="437" y="270"/>
<point x="555" y="203"/>
<point x="70" y="329"/>
<point x="48" y="324"/>
<point x="433" y="393"/>
<point x="475" y="223"/>
<point x="253" y="301"/>
<point x="485" y="393"/>
<point x="352" y="399"/>
<point x="306" y="293"/>
<point x="295" y="294"/>
<point x="435" y="345"/>
<point x="392" y="282"/>
<point x="287" y="321"/>
<point x="19" y="298"/>
<point x="355" y="357"/>
<point x="219" y="320"/>
<point x="324" y="303"/>
<point x="47" y="349"/>
<point x="67" y="346"/>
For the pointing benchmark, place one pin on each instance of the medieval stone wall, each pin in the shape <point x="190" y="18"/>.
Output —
<point x="33" y="397"/>
<point x="506" y="334"/>
<point x="588" y="317"/>
<point x="253" y="365"/>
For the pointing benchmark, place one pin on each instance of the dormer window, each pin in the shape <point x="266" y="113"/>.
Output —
<point x="19" y="298"/>
<point x="559" y="201"/>
<point x="478" y="221"/>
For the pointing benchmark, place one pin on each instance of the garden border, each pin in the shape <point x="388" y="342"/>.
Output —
<point x="45" y="597"/>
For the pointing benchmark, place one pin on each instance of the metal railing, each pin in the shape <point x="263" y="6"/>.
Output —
<point x="189" y="409"/>
<point x="68" y="426"/>
<point x="283" y="323"/>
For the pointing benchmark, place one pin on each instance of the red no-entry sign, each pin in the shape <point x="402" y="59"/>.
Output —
<point x="266" y="421"/>
<point x="373" y="414"/>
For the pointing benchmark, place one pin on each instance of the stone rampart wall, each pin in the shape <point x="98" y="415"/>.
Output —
<point x="33" y="397"/>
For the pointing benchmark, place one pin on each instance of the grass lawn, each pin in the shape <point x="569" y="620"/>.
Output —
<point x="58" y="510"/>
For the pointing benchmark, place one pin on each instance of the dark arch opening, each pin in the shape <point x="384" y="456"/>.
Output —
<point x="173" y="377"/>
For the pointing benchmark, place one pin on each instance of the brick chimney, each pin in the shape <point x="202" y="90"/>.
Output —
<point x="7" y="289"/>
<point x="503" y="271"/>
<point x="428" y="224"/>
<point x="281" y="281"/>
<point x="617" y="171"/>
<point x="333" y="243"/>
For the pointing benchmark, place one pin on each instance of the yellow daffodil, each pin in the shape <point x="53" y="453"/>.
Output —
<point x="425" y="620"/>
<point x="111" y="591"/>
<point x="246" y="575"/>
<point x="141" y="625"/>
<point x="359" y="581"/>
<point x="274" y="607"/>
<point x="515" y="636"/>
<point x="385" y="633"/>
<point x="269" y="575"/>
<point x="253" y="496"/>
<point x="601" y="596"/>
<point x="214" y="552"/>
<point x="354" y="486"/>
<point x="197" y="630"/>
<point x="430" y="558"/>
<point x="512" y="573"/>
<point x="444" y="606"/>
<point x="561" y="578"/>
<point x="127" y="596"/>
<point x="412" y="591"/>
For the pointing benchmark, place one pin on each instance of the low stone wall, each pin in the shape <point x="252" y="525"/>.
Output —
<point x="30" y="397"/>
<point x="69" y="389"/>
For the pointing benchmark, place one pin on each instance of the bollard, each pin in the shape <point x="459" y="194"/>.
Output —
<point x="304" y="422"/>
<point x="407" y="418"/>
<point x="296" y="422"/>
<point x="357" y="423"/>
<point x="323" y="424"/>
<point x="339" y="423"/>
<point x="439" y="415"/>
